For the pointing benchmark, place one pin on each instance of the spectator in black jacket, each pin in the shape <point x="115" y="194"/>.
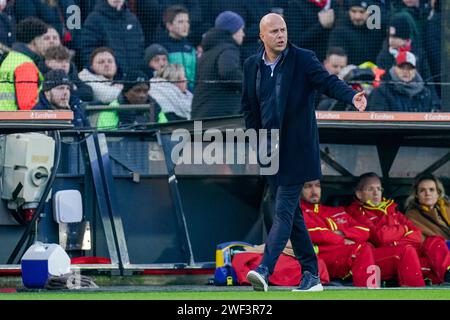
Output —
<point x="149" y="14"/>
<point x="86" y="7"/>
<point x="352" y="34"/>
<point x="112" y="25"/>
<point x="400" y="37"/>
<point x="335" y="62"/>
<point x="250" y="10"/>
<point x="403" y="88"/>
<point x="136" y="91"/>
<point x="416" y="12"/>
<point x="52" y="12"/>
<point x="7" y="24"/>
<point x="59" y="58"/>
<point x="56" y="95"/>
<point x="310" y="24"/>
<point x="218" y="87"/>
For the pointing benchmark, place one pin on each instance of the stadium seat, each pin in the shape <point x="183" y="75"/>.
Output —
<point x="337" y="200"/>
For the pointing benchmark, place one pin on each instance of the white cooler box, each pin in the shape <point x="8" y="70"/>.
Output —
<point x="42" y="260"/>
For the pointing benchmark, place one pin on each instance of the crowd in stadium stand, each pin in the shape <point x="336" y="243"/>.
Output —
<point x="395" y="57"/>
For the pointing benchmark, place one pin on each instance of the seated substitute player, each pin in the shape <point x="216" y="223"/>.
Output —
<point x="389" y="228"/>
<point x="342" y="242"/>
<point x="343" y="245"/>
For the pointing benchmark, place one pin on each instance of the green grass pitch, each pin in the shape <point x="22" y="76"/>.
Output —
<point x="353" y="294"/>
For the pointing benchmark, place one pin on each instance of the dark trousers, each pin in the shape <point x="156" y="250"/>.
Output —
<point x="288" y="223"/>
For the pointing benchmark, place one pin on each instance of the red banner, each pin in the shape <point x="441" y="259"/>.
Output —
<point x="36" y="115"/>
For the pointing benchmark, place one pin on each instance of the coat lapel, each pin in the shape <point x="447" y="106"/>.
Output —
<point x="284" y="82"/>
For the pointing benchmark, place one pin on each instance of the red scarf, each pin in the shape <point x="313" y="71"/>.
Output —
<point x="319" y="3"/>
<point x="406" y="47"/>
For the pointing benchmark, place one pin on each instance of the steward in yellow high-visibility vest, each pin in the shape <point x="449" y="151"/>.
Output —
<point x="19" y="82"/>
<point x="20" y="78"/>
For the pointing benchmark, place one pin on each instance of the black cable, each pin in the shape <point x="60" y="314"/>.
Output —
<point x="41" y="205"/>
<point x="31" y="236"/>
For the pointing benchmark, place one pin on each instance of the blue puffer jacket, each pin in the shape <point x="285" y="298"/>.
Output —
<point x="54" y="16"/>
<point x="118" y="30"/>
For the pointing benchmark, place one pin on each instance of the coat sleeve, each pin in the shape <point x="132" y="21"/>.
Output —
<point x="26" y="78"/>
<point x="359" y="218"/>
<point x="229" y="67"/>
<point x="356" y="231"/>
<point x="338" y="37"/>
<point x="140" y="40"/>
<point x="327" y="83"/>
<point x="83" y="91"/>
<point x="377" y="100"/>
<point x="321" y="235"/>
<point x="413" y="235"/>
<point x="250" y="116"/>
<point x="384" y="59"/>
<point x="387" y="232"/>
<point x="39" y="106"/>
<point x="102" y="91"/>
<point x="393" y="230"/>
<point x="414" y="216"/>
<point x="91" y="37"/>
<point x="80" y="117"/>
<point x="324" y="236"/>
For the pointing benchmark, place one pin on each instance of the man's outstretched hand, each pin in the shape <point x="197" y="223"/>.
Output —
<point x="360" y="101"/>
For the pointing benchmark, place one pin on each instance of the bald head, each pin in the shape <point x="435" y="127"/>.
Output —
<point x="268" y="20"/>
<point x="273" y="33"/>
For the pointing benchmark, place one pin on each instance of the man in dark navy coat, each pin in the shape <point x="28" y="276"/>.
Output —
<point x="278" y="93"/>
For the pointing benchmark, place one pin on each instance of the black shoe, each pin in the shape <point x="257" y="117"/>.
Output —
<point x="259" y="278"/>
<point x="310" y="283"/>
